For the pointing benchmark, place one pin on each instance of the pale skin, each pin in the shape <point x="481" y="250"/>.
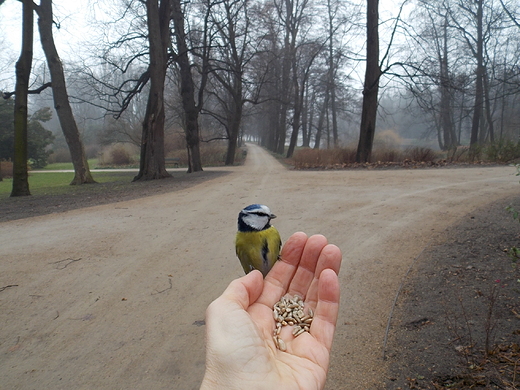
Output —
<point x="240" y="351"/>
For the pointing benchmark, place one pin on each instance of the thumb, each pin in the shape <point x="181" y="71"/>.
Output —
<point x="245" y="290"/>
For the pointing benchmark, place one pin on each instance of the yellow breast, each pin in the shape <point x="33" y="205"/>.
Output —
<point x="258" y="250"/>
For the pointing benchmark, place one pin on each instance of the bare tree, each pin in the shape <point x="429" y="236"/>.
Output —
<point x="187" y="85"/>
<point x="23" y="72"/>
<point x="152" y="164"/>
<point x="371" y="85"/>
<point x="231" y="55"/>
<point x="332" y="11"/>
<point x="300" y="77"/>
<point x="477" y="21"/>
<point x="68" y="124"/>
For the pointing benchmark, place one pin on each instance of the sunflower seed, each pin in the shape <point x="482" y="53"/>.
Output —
<point x="290" y="311"/>
<point x="296" y="329"/>
<point x="281" y="345"/>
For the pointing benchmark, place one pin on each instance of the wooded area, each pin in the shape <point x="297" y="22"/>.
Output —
<point x="284" y="73"/>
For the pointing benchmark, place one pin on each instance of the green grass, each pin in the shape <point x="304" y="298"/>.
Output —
<point x="92" y="163"/>
<point x="50" y="183"/>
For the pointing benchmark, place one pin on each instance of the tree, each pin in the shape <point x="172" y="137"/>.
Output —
<point x="232" y="54"/>
<point x="187" y="85"/>
<point x="433" y="56"/>
<point x="23" y="72"/>
<point x="332" y="10"/>
<point x="152" y="164"/>
<point x="479" y="88"/>
<point x="38" y="138"/>
<point x="371" y="85"/>
<point x="300" y="73"/>
<point x="68" y="124"/>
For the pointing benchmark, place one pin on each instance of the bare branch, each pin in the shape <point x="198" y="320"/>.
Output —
<point x="36" y="91"/>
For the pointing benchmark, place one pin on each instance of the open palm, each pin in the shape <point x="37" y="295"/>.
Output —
<point x="241" y="352"/>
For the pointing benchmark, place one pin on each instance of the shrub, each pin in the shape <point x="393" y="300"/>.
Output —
<point x="308" y="158"/>
<point x="420" y="154"/>
<point x="387" y="139"/>
<point x="502" y="151"/>
<point x="386" y="154"/>
<point x="211" y="154"/>
<point x="458" y="154"/>
<point x="92" y="151"/>
<point x="117" y="154"/>
<point x="61" y="155"/>
<point x="6" y="168"/>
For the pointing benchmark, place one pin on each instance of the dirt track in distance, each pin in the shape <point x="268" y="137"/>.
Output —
<point x="113" y="296"/>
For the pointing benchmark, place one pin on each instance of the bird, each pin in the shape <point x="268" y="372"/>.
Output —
<point x="257" y="242"/>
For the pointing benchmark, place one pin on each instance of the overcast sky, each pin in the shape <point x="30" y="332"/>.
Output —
<point x="73" y="17"/>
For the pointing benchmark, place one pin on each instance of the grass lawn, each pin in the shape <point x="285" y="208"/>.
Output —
<point x="92" y="163"/>
<point x="50" y="183"/>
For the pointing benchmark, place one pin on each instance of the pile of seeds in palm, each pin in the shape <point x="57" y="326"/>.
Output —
<point x="290" y="311"/>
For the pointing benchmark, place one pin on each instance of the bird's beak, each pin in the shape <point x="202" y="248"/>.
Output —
<point x="272" y="216"/>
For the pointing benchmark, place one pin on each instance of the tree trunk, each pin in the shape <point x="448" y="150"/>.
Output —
<point x="23" y="72"/>
<point x="371" y="86"/>
<point x="297" y="111"/>
<point x="191" y="111"/>
<point x="152" y="165"/>
<point x="477" y="107"/>
<point x="488" y="108"/>
<point x="285" y="84"/>
<point x="68" y="124"/>
<point x="234" y="120"/>
<point x="448" y="131"/>
<point x="331" y="75"/>
<point x="306" y="116"/>
<point x="321" y="120"/>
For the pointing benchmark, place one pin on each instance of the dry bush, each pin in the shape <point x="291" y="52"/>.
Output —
<point x="61" y="155"/>
<point x="117" y="154"/>
<point x="386" y="154"/>
<point x="6" y="168"/>
<point x="458" y="154"/>
<point x="92" y="151"/>
<point x="174" y="140"/>
<point x="502" y="151"/>
<point x="420" y="154"/>
<point x="313" y="158"/>
<point x="211" y="154"/>
<point x="345" y="155"/>
<point x="387" y="139"/>
<point x="308" y="158"/>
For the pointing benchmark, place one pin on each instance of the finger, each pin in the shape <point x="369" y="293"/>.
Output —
<point x="330" y="258"/>
<point x="278" y="279"/>
<point x="227" y="319"/>
<point x="326" y="313"/>
<point x="305" y="272"/>
<point x="245" y="290"/>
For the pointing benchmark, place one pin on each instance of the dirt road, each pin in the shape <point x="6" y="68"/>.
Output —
<point x="113" y="296"/>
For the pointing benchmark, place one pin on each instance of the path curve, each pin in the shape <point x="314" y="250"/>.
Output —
<point x="113" y="296"/>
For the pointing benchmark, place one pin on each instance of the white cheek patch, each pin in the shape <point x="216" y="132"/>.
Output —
<point x="257" y="222"/>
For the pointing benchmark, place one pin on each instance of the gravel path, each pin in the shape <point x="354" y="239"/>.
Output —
<point x="113" y="296"/>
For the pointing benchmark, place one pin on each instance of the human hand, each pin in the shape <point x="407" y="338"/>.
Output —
<point x="241" y="353"/>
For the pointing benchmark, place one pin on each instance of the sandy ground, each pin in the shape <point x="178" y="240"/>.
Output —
<point x="113" y="296"/>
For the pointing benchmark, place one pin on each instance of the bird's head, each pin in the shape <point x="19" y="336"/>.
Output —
<point x="254" y="217"/>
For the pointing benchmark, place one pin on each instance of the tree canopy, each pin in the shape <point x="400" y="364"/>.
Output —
<point x="39" y="138"/>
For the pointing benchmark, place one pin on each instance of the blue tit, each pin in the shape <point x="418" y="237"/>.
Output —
<point x="257" y="242"/>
